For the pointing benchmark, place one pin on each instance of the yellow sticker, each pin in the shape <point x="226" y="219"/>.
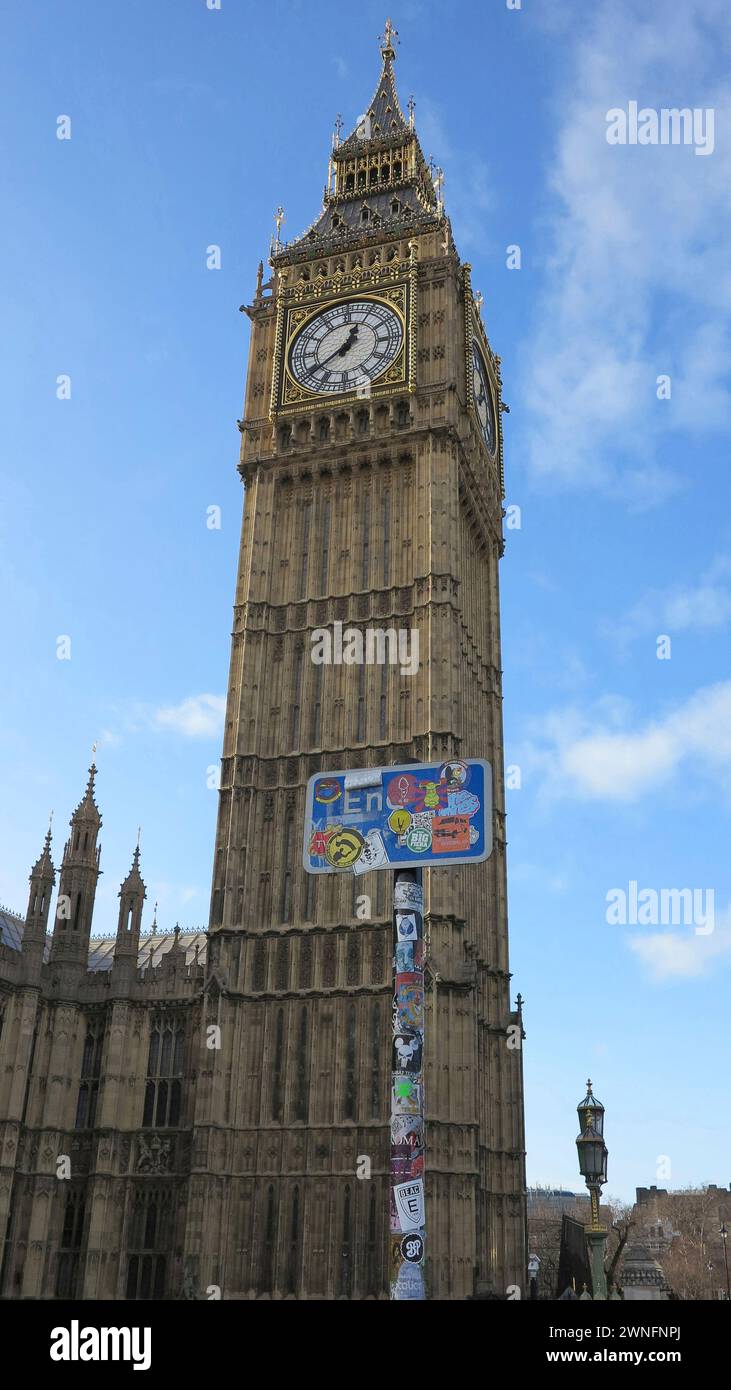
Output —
<point x="399" y="821"/>
<point x="343" y="848"/>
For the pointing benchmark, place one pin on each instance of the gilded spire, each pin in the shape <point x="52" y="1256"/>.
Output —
<point x="387" y="40"/>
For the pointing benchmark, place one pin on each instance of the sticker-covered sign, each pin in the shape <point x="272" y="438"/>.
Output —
<point x="398" y="817"/>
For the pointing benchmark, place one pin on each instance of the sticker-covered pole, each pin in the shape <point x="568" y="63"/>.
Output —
<point x="406" y="1182"/>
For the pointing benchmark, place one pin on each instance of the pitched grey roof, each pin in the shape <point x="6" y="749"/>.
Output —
<point x="101" y="948"/>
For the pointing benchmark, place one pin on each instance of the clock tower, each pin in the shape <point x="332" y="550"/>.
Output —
<point x="371" y="456"/>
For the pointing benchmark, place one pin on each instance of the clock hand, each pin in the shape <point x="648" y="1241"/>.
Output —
<point x="346" y="346"/>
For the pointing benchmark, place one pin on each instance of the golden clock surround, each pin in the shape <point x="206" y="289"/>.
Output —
<point x="293" y="396"/>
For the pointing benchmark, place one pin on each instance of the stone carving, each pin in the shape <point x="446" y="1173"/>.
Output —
<point x="155" y="1156"/>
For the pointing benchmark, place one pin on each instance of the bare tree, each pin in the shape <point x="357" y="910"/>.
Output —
<point x="622" y="1220"/>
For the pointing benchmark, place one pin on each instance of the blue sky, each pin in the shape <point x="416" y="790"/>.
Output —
<point x="189" y="127"/>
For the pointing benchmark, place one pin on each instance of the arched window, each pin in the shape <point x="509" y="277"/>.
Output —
<point x="350" y="1089"/>
<point x="165" y="1063"/>
<point x="277" y="1069"/>
<point x="266" y="1281"/>
<point x="294" y="1240"/>
<point x="346" y="1270"/>
<point x="300" y="1094"/>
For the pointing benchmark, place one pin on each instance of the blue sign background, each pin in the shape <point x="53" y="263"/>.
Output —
<point x="408" y="816"/>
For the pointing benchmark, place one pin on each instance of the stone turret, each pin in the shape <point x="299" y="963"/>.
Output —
<point x="79" y="875"/>
<point x="42" y="880"/>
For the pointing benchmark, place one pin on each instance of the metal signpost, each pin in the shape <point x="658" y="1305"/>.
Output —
<point x="402" y="818"/>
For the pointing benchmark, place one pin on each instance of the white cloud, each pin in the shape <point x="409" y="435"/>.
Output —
<point x="598" y="755"/>
<point x="200" y="716"/>
<point x="639" y="283"/>
<point x="704" y="606"/>
<point x="683" y="955"/>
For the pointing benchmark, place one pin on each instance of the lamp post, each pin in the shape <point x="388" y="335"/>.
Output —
<point x="593" y="1168"/>
<point x="724" y="1237"/>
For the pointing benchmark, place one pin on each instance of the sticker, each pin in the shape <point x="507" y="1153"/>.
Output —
<point x="410" y="1007"/>
<point x="402" y="791"/>
<point x="405" y="956"/>
<point x="409" y="1165"/>
<point x="454" y="774"/>
<point x="474" y="834"/>
<point x="461" y="804"/>
<point x="409" y="1285"/>
<point x="418" y="841"/>
<point x="407" y="894"/>
<point x="399" y="821"/>
<point x="412" y="1248"/>
<point x="410" y="1204"/>
<point x="374" y="854"/>
<point x="407" y="1050"/>
<point x="419" y="949"/>
<point x="394" y="1219"/>
<point x="318" y="843"/>
<point x="450" y="833"/>
<point x="406" y="1096"/>
<point x="422" y="820"/>
<point x="396" y="1256"/>
<point x="343" y="848"/>
<point x="407" y="1134"/>
<point x="406" y="928"/>
<point x="327" y="791"/>
<point x="431" y="795"/>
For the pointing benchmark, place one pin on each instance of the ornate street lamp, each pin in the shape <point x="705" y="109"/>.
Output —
<point x="724" y="1237"/>
<point x="593" y="1156"/>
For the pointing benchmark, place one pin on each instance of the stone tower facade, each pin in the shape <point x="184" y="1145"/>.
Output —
<point x="372" y="462"/>
<point x="208" y="1115"/>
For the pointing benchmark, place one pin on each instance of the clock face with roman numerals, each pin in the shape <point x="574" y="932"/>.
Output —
<point x="483" y="398"/>
<point x="346" y="346"/>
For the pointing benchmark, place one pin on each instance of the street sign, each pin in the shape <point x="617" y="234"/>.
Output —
<point x="398" y="817"/>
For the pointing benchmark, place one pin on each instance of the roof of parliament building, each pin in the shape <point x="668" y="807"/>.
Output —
<point x="152" y="947"/>
<point x="81" y="863"/>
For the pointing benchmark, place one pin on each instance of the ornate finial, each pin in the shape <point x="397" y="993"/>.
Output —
<point x="387" y="40"/>
<point x="438" y="181"/>
<point x="279" y="218"/>
<point x="588" y="1086"/>
<point x="337" y="130"/>
<point x="48" y="832"/>
<point x="259" y="279"/>
<point x="479" y="300"/>
<point x="411" y="108"/>
<point x="154" y="921"/>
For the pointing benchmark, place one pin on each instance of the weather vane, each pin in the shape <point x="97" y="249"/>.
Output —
<point x="388" y="38"/>
<point x="337" y="130"/>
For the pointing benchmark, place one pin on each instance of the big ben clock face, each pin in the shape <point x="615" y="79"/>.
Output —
<point x="346" y="346"/>
<point x="483" y="398"/>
